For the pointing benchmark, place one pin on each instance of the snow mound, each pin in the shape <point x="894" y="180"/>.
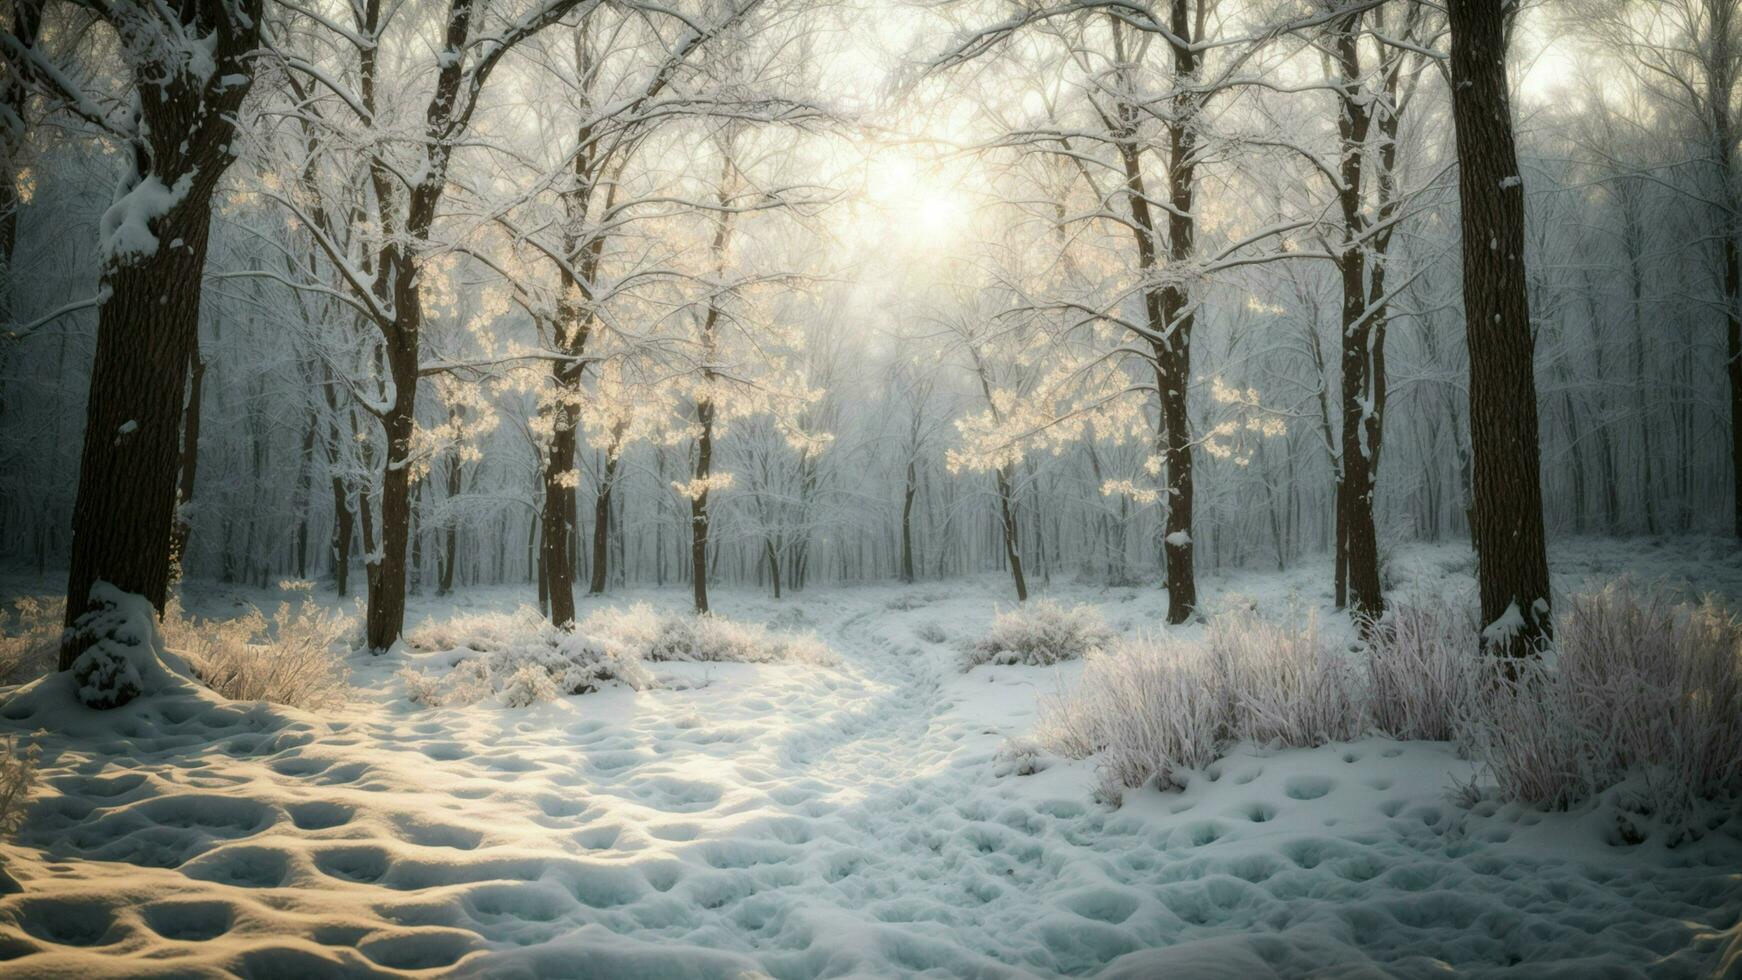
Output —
<point x="123" y="660"/>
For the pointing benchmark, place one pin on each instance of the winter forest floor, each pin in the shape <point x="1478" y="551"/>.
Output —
<point x="796" y="820"/>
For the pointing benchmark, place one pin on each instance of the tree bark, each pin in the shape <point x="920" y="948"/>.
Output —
<point x="908" y="491"/>
<point x="147" y="326"/>
<point x="1512" y="561"/>
<point x="699" y="504"/>
<point x="1012" y="550"/>
<point x="190" y="460"/>
<point x="602" y="515"/>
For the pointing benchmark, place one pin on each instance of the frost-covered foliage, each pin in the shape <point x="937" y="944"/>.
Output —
<point x="1147" y="707"/>
<point x="483" y="632"/>
<point x="518" y="658"/>
<point x="1640" y="696"/>
<point x="1281" y="686"/>
<point x="293" y="658"/>
<point x="29" y="638"/>
<point x="1420" y="670"/>
<point x="17" y="781"/>
<point x="706" y="637"/>
<point x="1040" y="633"/>
<point x="1151" y="707"/>
<point x="528" y="684"/>
<point x="1642" y="693"/>
<point x="504" y="654"/>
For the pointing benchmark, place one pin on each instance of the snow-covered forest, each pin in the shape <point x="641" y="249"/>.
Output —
<point x="693" y="488"/>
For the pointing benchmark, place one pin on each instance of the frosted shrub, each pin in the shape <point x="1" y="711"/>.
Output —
<point x="1514" y="725"/>
<point x="1641" y="691"/>
<point x="707" y="637"/>
<point x="506" y="654"/>
<point x="1279" y="684"/>
<point x="636" y="627"/>
<point x="421" y="688"/>
<point x="1151" y="707"/>
<point x="576" y="662"/>
<point x="1148" y="707"/>
<point x="30" y="639"/>
<point x="17" y="781"/>
<point x="481" y="632"/>
<point x="1040" y="633"/>
<point x="290" y="659"/>
<point x="1420" y="670"/>
<point x="529" y="684"/>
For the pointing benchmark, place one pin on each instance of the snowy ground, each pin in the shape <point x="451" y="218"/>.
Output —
<point x="797" y="821"/>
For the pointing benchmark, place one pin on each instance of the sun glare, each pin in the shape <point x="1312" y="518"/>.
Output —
<point x="914" y="203"/>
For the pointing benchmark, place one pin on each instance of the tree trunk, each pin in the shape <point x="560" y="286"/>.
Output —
<point x="602" y="520"/>
<point x="699" y="505"/>
<point x="908" y="492"/>
<point x="386" y="566"/>
<point x="190" y="460"/>
<point x="125" y="508"/>
<point x="559" y="489"/>
<point x="1012" y="552"/>
<point x="148" y="324"/>
<point x="773" y="555"/>
<point x="1512" y="561"/>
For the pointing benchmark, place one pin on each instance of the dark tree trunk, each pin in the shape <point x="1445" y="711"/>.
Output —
<point x="451" y="551"/>
<point x="773" y="555"/>
<point x="907" y="495"/>
<point x="1732" y="311"/>
<point x="559" y="490"/>
<point x="1512" y="561"/>
<point x="602" y="518"/>
<point x="125" y="508"/>
<point x="1012" y="548"/>
<point x="386" y="565"/>
<point x="305" y="478"/>
<point x="147" y="327"/>
<point x="699" y="505"/>
<point x="1167" y="309"/>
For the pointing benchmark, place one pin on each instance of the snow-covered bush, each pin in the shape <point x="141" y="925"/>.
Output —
<point x="1419" y="670"/>
<point x="17" y="781"/>
<point x="930" y="632"/>
<point x="293" y="658"/>
<point x="29" y="639"/>
<point x="635" y="628"/>
<point x="1640" y="692"/>
<point x="706" y="637"/>
<point x="502" y="655"/>
<point x="576" y="662"/>
<point x="118" y="638"/>
<point x="482" y="632"/>
<point x="1279" y="684"/>
<point x="1147" y="708"/>
<point x="1040" y="633"/>
<point x="528" y="684"/>
<point x="1150" y="707"/>
<point x="421" y="688"/>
